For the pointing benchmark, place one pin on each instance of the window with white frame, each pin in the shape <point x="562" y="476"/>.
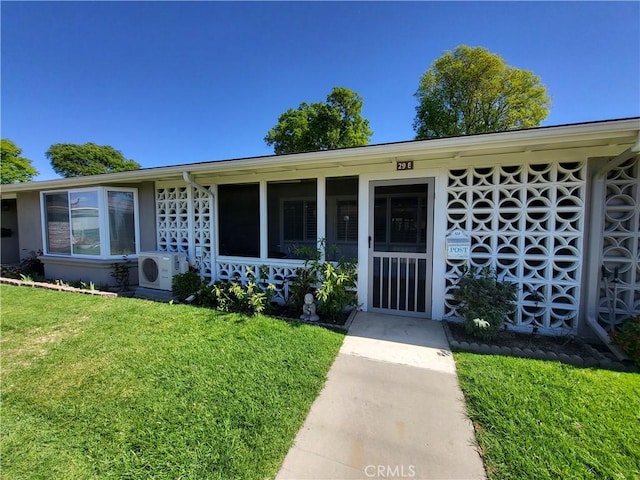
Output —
<point x="99" y="222"/>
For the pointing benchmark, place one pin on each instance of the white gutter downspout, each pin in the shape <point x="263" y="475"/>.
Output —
<point x="190" y="181"/>
<point x="597" y="220"/>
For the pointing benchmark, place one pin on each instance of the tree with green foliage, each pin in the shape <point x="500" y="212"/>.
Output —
<point x="70" y="160"/>
<point x="336" y="123"/>
<point x="13" y="167"/>
<point x="471" y="90"/>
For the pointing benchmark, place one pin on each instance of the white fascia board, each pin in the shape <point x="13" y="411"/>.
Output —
<point x="607" y="131"/>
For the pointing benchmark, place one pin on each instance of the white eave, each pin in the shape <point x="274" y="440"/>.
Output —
<point x="605" y="133"/>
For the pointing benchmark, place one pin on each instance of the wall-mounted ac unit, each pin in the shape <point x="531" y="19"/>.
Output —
<point x="157" y="269"/>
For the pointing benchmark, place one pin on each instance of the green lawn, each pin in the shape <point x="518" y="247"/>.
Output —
<point x="125" y="388"/>
<point x="545" y="420"/>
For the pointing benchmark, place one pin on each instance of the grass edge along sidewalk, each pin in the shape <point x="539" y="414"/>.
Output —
<point x="537" y="419"/>
<point x="125" y="388"/>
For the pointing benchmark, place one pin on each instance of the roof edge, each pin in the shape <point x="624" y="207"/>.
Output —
<point x="546" y="134"/>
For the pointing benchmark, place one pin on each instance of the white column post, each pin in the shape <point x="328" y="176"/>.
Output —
<point x="191" y="231"/>
<point x="363" y="242"/>
<point x="439" y="265"/>
<point x="321" y="212"/>
<point x="595" y="188"/>
<point x="264" y="222"/>
<point x="215" y="233"/>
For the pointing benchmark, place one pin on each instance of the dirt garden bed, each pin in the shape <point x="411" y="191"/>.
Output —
<point x="568" y="349"/>
<point x="54" y="286"/>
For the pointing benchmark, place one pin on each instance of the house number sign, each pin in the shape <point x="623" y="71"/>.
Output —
<point x="404" y="165"/>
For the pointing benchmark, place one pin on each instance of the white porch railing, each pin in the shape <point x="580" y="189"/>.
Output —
<point x="271" y="271"/>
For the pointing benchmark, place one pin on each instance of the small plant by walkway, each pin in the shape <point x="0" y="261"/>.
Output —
<point x="124" y="388"/>
<point x="540" y="420"/>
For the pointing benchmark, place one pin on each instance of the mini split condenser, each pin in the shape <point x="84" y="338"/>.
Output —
<point x="157" y="269"/>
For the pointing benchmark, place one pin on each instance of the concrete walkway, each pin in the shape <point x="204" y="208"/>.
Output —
<point x="391" y="408"/>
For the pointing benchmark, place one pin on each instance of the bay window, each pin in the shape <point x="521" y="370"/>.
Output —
<point x="99" y="222"/>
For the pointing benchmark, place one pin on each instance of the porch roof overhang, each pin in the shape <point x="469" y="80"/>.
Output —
<point x="623" y="132"/>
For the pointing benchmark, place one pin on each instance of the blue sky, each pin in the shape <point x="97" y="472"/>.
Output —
<point x="181" y="82"/>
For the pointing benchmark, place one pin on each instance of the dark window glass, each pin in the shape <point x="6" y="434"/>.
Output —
<point x="239" y="220"/>
<point x="347" y="221"/>
<point x="342" y="218"/>
<point x="400" y="218"/>
<point x="292" y="208"/>
<point x="299" y="220"/>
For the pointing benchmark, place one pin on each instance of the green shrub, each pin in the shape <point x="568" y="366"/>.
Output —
<point x="30" y="267"/>
<point x="485" y="301"/>
<point x="230" y="296"/>
<point x="78" y="284"/>
<point x="332" y="283"/>
<point x="234" y="297"/>
<point x="628" y="338"/>
<point x="304" y="281"/>
<point x="120" y="273"/>
<point x="337" y="291"/>
<point x="186" y="284"/>
<point x="10" y="271"/>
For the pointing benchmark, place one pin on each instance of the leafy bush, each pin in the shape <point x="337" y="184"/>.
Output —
<point x="30" y="267"/>
<point x="31" y="264"/>
<point x="9" y="271"/>
<point x="121" y="273"/>
<point x="304" y="281"/>
<point x="186" y="284"/>
<point x="485" y="301"/>
<point x="628" y="338"/>
<point x="337" y="291"/>
<point x="333" y="284"/>
<point x="235" y="297"/>
<point x="229" y="296"/>
<point x="78" y="284"/>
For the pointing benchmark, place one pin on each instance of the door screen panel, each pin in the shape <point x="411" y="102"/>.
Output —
<point x="399" y="283"/>
<point x="399" y="261"/>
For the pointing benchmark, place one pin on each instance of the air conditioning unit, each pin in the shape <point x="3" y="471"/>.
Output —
<point x="157" y="269"/>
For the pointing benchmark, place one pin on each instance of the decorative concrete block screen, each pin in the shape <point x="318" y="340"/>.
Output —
<point x="621" y="245"/>
<point x="202" y="232"/>
<point x="184" y="213"/>
<point x="264" y="273"/>
<point x="184" y="221"/>
<point x="172" y="216"/>
<point x="526" y="222"/>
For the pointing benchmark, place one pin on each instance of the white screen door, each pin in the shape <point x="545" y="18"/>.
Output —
<point x="400" y="239"/>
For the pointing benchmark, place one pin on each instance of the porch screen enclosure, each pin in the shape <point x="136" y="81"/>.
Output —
<point x="186" y="222"/>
